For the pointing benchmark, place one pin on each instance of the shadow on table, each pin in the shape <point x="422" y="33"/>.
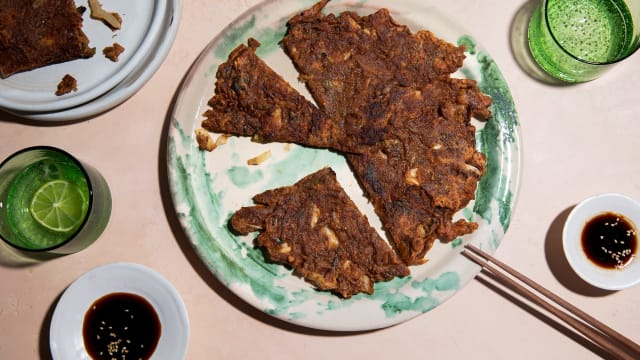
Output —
<point x="8" y="117"/>
<point x="14" y="258"/>
<point x="518" y="39"/>
<point x="199" y="266"/>
<point x="491" y="282"/>
<point x="44" y="346"/>
<point x="563" y="272"/>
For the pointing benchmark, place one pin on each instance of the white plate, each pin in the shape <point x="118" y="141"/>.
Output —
<point x="65" y="337"/>
<point x="208" y="187"/>
<point x="33" y="91"/>
<point x="608" y="279"/>
<point x="131" y="84"/>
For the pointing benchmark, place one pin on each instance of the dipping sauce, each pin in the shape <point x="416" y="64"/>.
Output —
<point x="121" y="326"/>
<point x="610" y="240"/>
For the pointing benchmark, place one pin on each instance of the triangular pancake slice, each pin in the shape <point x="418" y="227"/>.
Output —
<point x="253" y="100"/>
<point x="315" y="228"/>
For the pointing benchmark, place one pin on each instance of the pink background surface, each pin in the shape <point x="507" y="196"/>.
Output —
<point x="578" y="141"/>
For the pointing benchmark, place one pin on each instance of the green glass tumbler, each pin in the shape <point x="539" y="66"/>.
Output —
<point x="578" y="40"/>
<point x="50" y="202"/>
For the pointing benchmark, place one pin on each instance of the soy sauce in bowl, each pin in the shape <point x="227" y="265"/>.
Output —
<point x="609" y="240"/>
<point x="600" y="241"/>
<point x="122" y="326"/>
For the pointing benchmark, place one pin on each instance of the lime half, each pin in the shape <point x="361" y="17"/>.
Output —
<point x="58" y="205"/>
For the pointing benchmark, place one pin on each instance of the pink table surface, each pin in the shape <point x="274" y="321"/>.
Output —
<point x="577" y="141"/>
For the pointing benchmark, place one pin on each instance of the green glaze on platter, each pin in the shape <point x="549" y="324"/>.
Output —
<point x="499" y="133"/>
<point x="242" y="177"/>
<point x="207" y="187"/>
<point x="234" y="35"/>
<point x="469" y="44"/>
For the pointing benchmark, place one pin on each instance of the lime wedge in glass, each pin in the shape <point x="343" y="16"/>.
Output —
<point x="59" y="206"/>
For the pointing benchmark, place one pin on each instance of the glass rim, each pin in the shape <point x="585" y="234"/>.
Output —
<point x="588" y="62"/>
<point x="89" y="185"/>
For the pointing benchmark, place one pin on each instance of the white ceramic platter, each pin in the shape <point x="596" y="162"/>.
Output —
<point x="131" y="84"/>
<point x="207" y="187"/>
<point x="33" y="91"/>
<point x="65" y="335"/>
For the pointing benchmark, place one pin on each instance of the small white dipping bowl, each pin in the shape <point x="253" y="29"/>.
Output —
<point x="608" y="279"/>
<point x="65" y="333"/>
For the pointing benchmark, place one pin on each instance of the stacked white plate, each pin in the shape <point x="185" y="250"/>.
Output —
<point x="148" y="30"/>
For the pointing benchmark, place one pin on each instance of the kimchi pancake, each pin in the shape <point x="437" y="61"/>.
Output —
<point x="315" y="228"/>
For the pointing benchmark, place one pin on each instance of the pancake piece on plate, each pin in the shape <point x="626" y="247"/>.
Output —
<point x="36" y="33"/>
<point x="315" y="228"/>
<point x="420" y="166"/>
<point x="386" y="99"/>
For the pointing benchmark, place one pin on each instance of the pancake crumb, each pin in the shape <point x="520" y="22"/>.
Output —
<point x="67" y="85"/>
<point x="113" y="52"/>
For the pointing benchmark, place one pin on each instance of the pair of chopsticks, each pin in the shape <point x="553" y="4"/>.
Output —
<point x="597" y="332"/>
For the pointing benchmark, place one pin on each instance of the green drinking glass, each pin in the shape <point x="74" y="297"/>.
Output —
<point x="50" y="202"/>
<point x="578" y="40"/>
